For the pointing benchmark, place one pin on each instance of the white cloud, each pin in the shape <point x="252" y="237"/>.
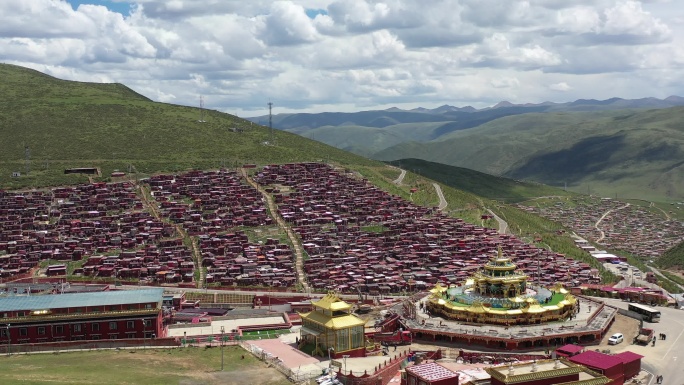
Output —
<point x="562" y="86"/>
<point x="344" y="54"/>
<point x="505" y="82"/>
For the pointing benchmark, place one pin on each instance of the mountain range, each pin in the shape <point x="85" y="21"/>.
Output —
<point x="630" y="148"/>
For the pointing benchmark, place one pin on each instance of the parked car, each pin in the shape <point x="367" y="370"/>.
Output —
<point x="616" y="339"/>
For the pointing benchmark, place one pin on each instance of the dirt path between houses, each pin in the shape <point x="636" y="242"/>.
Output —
<point x="299" y="255"/>
<point x="196" y="255"/>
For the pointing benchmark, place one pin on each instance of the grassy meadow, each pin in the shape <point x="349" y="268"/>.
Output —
<point x="187" y="366"/>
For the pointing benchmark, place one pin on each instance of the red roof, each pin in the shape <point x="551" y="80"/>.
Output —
<point x="571" y="349"/>
<point x="628" y="357"/>
<point x="596" y="360"/>
<point x="431" y="372"/>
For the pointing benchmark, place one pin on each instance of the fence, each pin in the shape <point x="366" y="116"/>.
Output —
<point x="89" y="345"/>
<point x="275" y="362"/>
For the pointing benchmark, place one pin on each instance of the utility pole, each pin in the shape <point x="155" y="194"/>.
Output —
<point x="223" y="332"/>
<point x="9" y="341"/>
<point x="144" y="332"/>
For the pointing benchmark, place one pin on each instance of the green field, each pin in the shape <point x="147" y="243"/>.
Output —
<point x="264" y="334"/>
<point x="187" y="366"/>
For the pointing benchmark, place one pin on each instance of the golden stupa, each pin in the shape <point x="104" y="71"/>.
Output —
<point x="500" y="294"/>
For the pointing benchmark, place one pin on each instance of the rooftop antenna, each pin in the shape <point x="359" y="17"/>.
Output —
<point x="270" y="119"/>
<point x="201" y="119"/>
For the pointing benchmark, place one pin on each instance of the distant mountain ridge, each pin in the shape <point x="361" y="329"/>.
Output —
<point x="623" y="146"/>
<point x="288" y="121"/>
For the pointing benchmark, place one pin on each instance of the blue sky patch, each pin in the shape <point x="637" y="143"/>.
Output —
<point x="123" y="8"/>
<point x="312" y="13"/>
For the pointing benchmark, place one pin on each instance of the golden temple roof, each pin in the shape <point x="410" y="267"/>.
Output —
<point x="334" y="323"/>
<point x="332" y="301"/>
<point x="438" y="288"/>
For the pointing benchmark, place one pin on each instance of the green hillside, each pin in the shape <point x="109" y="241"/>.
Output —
<point x="478" y="183"/>
<point x="634" y="154"/>
<point x="68" y="124"/>
<point x="367" y="141"/>
<point x="672" y="258"/>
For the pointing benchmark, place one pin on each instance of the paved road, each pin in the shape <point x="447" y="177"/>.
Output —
<point x="666" y="357"/>
<point x="503" y="225"/>
<point x="442" y="202"/>
<point x="400" y="179"/>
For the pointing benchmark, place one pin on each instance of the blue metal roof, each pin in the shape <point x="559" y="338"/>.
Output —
<point x="57" y="301"/>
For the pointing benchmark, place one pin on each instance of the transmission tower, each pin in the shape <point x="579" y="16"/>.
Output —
<point x="27" y="159"/>
<point x="201" y="119"/>
<point x="270" y="120"/>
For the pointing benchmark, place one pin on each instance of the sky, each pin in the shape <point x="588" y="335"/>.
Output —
<point x="351" y="55"/>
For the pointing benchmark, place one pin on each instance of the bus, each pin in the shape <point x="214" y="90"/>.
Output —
<point x="648" y="313"/>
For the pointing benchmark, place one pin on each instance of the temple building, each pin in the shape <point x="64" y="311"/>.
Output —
<point x="105" y="315"/>
<point x="332" y="330"/>
<point x="500" y="294"/>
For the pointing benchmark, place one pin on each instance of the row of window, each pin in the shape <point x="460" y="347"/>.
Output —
<point x="59" y="329"/>
<point x="81" y="310"/>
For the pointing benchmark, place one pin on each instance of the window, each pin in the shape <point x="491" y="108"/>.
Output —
<point x="148" y="306"/>
<point x="77" y="327"/>
<point x="112" y="326"/>
<point x="95" y="327"/>
<point x="23" y="332"/>
<point x="59" y="329"/>
<point x="3" y="332"/>
<point x="95" y="337"/>
<point x="130" y="325"/>
<point x="41" y="330"/>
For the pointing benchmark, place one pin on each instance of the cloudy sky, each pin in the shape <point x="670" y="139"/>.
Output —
<point x="349" y="55"/>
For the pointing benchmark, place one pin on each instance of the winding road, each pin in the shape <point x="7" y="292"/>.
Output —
<point x="503" y="225"/>
<point x="442" y="202"/>
<point x="400" y="178"/>
<point x="596" y="225"/>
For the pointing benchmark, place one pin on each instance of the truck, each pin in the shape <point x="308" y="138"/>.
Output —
<point x="645" y="336"/>
<point x="399" y="337"/>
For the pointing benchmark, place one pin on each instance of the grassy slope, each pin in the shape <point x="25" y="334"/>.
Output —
<point x="480" y="184"/>
<point x="110" y="126"/>
<point x="632" y="153"/>
<point x="141" y="367"/>
<point x="672" y="258"/>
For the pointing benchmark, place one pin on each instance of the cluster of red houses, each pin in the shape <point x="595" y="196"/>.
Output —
<point x="208" y="204"/>
<point x="96" y="221"/>
<point x="356" y="236"/>
<point x="359" y="237"/>
<point x="630" y="228"/>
